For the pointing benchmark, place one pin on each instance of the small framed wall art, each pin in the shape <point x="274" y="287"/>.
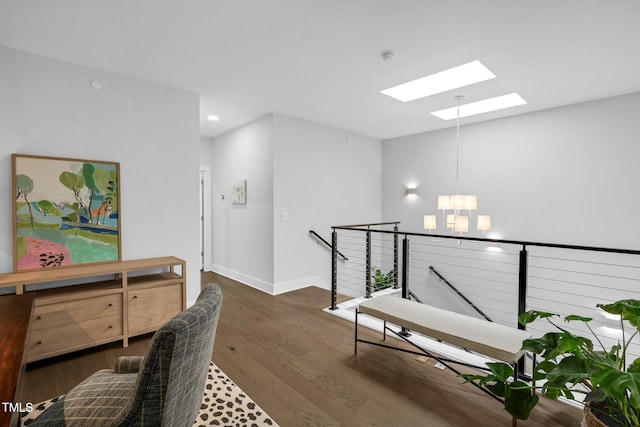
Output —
<point x="239" y="192"/>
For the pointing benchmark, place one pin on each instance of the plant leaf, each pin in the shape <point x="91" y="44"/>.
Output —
<point x="499" y="389"/>
<point x="573" y="317"/>
<point x="501" y="371"/>
<point x="554" y="344"/>
<point x="628" y="309"/>
<point x="571" y="369"/>
<point x="532" y="315"/>
<point x="542" y="345"/>
<point x="520" y="400"/>
<point x="595" y="396"/>
<point x="634" y="368"/>
<point x="619" y="385"/>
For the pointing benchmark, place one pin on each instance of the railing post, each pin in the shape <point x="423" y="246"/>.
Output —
<point x="334" y="270"/>
<point x="522" y="296"/>
<point x="395" y="257"/>
<point x="368" y="266"/>
<point x="405" y="277"/>
<point x="405" y="267"/>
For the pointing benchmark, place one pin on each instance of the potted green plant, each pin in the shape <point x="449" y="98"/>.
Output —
<point x="380" y="279"/>
<point x="569" y="365"/>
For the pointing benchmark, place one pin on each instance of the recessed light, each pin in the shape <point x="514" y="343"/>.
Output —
<point x="213" y="118"/>
<point x="484" y="106"/>
<point x="96" y="84"/>
<point x="462" y="75"/>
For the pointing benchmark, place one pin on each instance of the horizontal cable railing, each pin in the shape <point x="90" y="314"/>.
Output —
<point x="489" y="278"/>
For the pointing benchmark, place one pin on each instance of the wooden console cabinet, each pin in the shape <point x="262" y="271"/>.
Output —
<point x="130" y="298"/>
<point x="15" y="315"/>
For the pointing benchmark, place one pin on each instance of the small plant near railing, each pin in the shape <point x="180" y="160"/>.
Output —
<point x="381" y="280"/>
<point x="568" y="362"/>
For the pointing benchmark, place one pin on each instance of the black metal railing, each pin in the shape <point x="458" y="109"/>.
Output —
<point x="321" y="239"/>
<point x="460" y="294"/>
<point x="503" y="278"/>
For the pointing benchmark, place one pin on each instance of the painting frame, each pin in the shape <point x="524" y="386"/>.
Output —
<point x="239" y="192"/>
<point x="65" y="212"/>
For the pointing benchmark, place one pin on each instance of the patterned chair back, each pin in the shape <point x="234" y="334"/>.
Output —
<point x="173" y="375"/>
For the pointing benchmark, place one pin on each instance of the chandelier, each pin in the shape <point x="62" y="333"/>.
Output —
<point x="457" y="208"/>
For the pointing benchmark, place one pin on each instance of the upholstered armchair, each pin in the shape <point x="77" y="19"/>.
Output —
<point x="163" y="388"/>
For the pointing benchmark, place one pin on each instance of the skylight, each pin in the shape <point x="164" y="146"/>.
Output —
<point x="484" y="106"/>
<point x="463" y="75"/>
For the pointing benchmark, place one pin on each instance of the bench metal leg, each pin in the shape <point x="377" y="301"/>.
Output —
<point x="514" y="420"/>
<point x="355" y="342"/>
<point x="423" y="352"/>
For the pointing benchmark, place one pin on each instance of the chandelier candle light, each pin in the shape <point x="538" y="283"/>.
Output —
<point x="452" y="206"/>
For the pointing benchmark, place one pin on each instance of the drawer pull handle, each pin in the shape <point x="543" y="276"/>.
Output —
<point x="135" y="296"/>
<point x="39" y="317"/>
<point x="110" y="327"/>
<point x="39" y="342"/>
<point x="110" y="305"/>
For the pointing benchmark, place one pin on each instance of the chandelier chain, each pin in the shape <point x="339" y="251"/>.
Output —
<point x="459" y="98"/>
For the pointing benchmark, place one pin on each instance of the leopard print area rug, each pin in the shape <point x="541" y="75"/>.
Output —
<point x="223" y="404"/>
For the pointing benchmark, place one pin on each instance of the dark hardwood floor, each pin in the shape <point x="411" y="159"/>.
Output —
<point x="297" y="363"/>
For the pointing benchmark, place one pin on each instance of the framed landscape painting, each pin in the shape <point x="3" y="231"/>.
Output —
<point x="65" y="212"/>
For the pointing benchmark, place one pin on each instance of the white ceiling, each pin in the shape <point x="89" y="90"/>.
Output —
<point x="319" y="60"/>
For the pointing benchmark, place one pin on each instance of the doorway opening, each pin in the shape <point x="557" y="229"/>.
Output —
<point x="205" y="218"/>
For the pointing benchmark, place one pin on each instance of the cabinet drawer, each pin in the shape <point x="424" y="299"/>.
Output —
<point x="150" y="308"/>
<point x="63" y="313"/>
<point x="73" y="336"/>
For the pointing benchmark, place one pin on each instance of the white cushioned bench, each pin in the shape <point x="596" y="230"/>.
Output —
<point x="488" y="338"/>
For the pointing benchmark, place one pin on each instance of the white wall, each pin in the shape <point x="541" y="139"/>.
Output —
<point x="315" y="175"/>
<point x="206" y="151"/>
<point x="565" y="175"/>
<point x="322" y="177"/>
<point x="243" y="234"/>
<point x="48" y="108"/>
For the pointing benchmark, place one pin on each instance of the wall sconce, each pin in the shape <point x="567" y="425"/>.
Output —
<point x="411" y="191"/>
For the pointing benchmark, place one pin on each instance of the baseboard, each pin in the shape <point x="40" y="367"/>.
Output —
<point x="261" y="285"/>
<point x="270" y="288"/>
<point x="293" y="285"/>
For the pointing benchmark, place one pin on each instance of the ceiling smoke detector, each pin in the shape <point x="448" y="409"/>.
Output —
<point x="388" y="55"/>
